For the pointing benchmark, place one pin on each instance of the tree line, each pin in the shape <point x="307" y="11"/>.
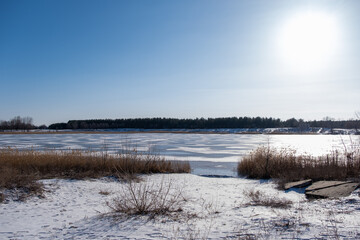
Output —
<point x="202" y="123"/>
<point x="17" y="123"/>
<point x="26" y="123"/>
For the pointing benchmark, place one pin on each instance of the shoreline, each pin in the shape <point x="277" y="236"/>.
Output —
<point x="159" y="131"/>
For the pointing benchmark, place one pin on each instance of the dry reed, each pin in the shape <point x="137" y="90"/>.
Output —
<point x="81" y="164"/>
<point x="266" y="162"/>
<point x="19" y="169"/>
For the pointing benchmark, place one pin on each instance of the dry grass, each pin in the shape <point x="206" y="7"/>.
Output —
<point x="147" y="199"/>
<point x="85" y="164"/>
<point x="104" y="192"/>
<point x="268" y="162"/>
<point x="22" y="169"/>
<point x="19" y="186"/>
<point x="258" y="198"/>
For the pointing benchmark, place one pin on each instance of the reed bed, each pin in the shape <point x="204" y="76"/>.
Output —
<point x="20" y="169"/>
<point x="266" y="162"/>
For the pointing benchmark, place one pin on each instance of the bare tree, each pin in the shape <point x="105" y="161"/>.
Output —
<point x="17" y="123"/>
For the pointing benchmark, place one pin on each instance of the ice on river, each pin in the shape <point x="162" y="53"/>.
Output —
<point x="215" y="208"/>
<point x="209" y="154"/>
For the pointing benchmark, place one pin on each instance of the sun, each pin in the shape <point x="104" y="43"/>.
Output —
<point x="307" y="40"/>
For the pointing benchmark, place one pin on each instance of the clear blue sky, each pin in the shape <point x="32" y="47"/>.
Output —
<point x="62" y="60"/>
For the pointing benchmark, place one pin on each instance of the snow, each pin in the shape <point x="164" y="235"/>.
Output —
<point x="177" y="146"/>
<point x="215" y="208"/>
<point x="208" y="154"/>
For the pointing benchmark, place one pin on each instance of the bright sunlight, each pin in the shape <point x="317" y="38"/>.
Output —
<point x="307" y="40"/>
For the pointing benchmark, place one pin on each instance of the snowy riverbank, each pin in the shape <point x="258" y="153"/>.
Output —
<point x="214" y="208"/>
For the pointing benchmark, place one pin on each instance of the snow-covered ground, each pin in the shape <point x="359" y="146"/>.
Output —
<point x="214" y="208"/>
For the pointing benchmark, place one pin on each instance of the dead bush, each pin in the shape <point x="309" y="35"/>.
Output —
<point x="104" y="192"/>
<point x="258" y="198"/>
<point x="147" y="199"/>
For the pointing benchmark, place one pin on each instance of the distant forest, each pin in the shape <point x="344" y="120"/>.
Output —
<point x="26" y="123"/>
<point x="17" y="123"/>
<point x="202" y="123"/>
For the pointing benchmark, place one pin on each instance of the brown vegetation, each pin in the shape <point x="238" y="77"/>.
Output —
<point x="147" y="199"/>
<point x="20" y="169"/>
<point x="257" y="198"/>
<point x="285" y="165"/>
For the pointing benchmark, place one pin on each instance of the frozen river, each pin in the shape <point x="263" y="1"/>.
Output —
<point x="209" y="154"/>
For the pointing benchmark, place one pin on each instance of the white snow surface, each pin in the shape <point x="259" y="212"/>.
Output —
<point x="177" y="146"/>
<point x="213" y="208"/>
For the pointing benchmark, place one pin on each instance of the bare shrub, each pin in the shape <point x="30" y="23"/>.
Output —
<point x="258" y="198"/>
<point x="105" y="193"/>
<point x="147" y="199"/>
<point x="191" y="232"/>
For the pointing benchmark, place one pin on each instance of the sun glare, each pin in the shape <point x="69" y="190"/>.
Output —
<point x="308" y="40"/>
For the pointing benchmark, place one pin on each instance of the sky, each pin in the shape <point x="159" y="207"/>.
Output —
<point x="86" y="59"/>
